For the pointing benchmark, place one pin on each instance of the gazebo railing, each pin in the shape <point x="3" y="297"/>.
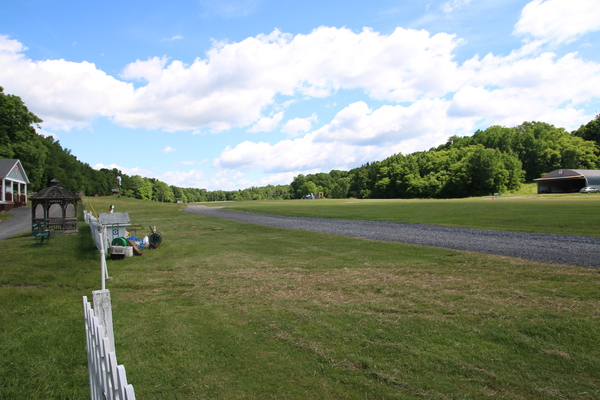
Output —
<point x="57" y="224"/>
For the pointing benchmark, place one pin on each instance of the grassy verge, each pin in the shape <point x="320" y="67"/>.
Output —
<point x="42" y="339"/>
<point x="225" y="310"/>
<point x="561" y="214"/>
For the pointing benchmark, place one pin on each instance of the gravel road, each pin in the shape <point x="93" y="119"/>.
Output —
<point x="545" y="248"/>
<point x="18" y="223"/>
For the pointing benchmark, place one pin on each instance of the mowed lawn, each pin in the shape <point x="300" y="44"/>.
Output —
<point x="575" y="214"/>
<point x="227" y="310"/>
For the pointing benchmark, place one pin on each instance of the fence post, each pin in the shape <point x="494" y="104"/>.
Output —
<point x="103" y="311"/>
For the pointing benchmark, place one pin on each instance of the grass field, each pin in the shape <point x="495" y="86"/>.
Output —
<point x="226" y="310"/>
<point x="576" y="214"/>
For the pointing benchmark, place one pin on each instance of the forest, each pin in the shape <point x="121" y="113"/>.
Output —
<point x="495" y="160"/>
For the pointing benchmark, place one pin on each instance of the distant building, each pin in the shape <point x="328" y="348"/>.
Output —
<point x="568" y="180"/>
<point x="13" y="190"/>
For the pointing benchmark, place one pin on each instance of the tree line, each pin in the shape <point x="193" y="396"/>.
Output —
<point x="44" y="159"/>
<point x="495" y="160"/>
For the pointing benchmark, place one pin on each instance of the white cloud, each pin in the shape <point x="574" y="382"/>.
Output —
<point x="168" y="150"/>
<point x="283" y="178"/>
<point x="356" y="135"/>
<point x="266" y="124"/>
<point x="391" y="125"/>
<point x="450" y="6"/>
<point x="299" y="125"/>
<point x="173" y="38"/>
<point x="191" y="178"/>
<point x="149" y="70"/>
<point x="10" y="45"/>
<point x="191" y="162"/>
<point x="129" y="171"/>
<point x="559" y="21"/>
<point x="64" y="94"/>
<point x="236" y="81"/>
<point x="512" y="89"/>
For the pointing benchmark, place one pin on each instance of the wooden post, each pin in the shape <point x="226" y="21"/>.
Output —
<point x="103" y="311"/>
<point x="103" y="272"/>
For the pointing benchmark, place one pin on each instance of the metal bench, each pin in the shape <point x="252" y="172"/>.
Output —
<point x="39" y="232"/>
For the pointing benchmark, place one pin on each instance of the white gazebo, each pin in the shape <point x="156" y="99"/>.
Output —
<point x="13" y="190"/>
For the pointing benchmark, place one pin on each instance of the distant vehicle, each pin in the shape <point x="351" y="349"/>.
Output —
<point x="589" y="189"/>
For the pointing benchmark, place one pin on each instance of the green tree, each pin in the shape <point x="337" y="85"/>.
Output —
<point x="590" y="131"/>
<point x="307" y="188"/>
<point x="296" y="186"/>
<point x="18" y="138"/>
<point x="141" y="187"/>
<point x="162" y="192"/>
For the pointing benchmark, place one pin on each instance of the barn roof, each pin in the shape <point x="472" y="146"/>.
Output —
<point x="591" y="176"/>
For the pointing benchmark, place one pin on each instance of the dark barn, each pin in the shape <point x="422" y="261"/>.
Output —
<point x="568" y="180"/>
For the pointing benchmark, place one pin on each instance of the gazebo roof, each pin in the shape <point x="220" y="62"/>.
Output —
<point x="54" y="192"/>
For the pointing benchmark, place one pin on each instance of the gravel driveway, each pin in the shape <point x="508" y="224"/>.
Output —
<point x="18" y="223"/>
<point x="545" y="248"/>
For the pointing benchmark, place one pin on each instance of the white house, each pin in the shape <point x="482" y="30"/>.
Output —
<point x="13" y="189"/>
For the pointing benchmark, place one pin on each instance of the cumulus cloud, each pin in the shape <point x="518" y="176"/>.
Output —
<point x="191" y="178"/>
<point x="64" y="94"/>
<point x="236" y="81"/>
<point x="295" y="126"/>
<point x="559" y="21"/>
<point x="168" y="150"/>
<point x="10" y="45"/>
<point x="356" y="135"/>
<point x="266" y="124"/>
<point x="510" y="90"/>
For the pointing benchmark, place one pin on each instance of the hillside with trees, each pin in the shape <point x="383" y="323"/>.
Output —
<point x="495" y="160"/>
<point x="45" y="159"/>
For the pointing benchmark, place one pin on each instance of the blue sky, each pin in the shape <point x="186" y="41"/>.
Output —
<point x="238" y="93"/>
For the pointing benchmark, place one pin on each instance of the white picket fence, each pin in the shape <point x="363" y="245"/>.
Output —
<point x="98" y="233"/>
<point x="108" y="380"/>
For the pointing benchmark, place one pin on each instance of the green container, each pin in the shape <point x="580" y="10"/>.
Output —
<point x="119" y="242"/>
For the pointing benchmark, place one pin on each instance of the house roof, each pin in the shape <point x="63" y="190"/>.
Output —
<point x="54" y="192"/>
<point x="12" y="169"/>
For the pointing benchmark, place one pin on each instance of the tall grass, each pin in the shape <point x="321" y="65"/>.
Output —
<point x="226" y="310"/>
